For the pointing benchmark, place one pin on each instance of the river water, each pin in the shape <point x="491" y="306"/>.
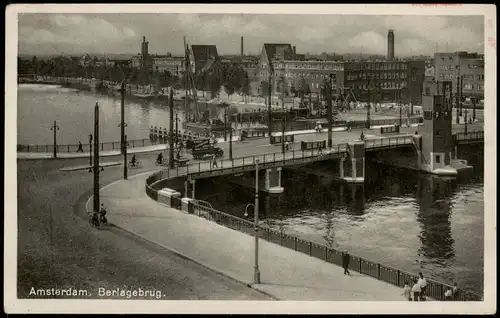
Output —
<point x="400" y="218"/>
<point x="40" y="105"/>
<point x="410" y="221"/>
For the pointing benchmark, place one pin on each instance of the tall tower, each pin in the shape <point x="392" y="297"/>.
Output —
<point x="437" y="142"/>
<point x="144" y="52"/>
<point x="242" y="54"/>
<point x="390" y="45"/>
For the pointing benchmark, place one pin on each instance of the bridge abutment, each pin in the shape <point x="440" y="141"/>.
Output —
<point x="356" y="152"/>
<point x="273" y="181"/>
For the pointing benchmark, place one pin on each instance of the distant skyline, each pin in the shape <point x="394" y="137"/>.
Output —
<point x="46" y="33"/>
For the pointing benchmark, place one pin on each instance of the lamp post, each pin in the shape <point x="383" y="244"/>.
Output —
<point x="90" y="151"/>
<point x="269" y="115"/>
<point x="329" y="110"/>
<point x="465" y="119"/>
<point x="474" y="109"/>
<point x="171" y="128"/>
<point x="55" y="128"/>
<point x="256" y="224"/>
<point x="176" y="128"/>
<point x="283" y="119"/>
<point x="96" y="158"/>
<point x="231" y="140"/>
<point x="122" y="125"/>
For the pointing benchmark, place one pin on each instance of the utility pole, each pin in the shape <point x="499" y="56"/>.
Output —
<point x="256" y="224"/>
<point x="269" y="116"/>
<point x="461" y="92"/>
<point x="465" y="118"/>
<point x="90" y="151"/>
<point x="329" y="110"/>
<point x="96" y="158"/>
<point x="225" y="122"/>
<point x="474" y="109"/>
<point x="55" y="128"/>
<point x="122" y="125"/>
<point x="283" y="118"/>
<point x="230" y="140"/>
<point x="400" y="114"/>
<point x="171" y="128"/>
<point x="176" y="129"/>
<point x="457" y="95"/>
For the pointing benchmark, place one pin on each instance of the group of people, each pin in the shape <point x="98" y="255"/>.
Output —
<point x="418" y="292"/>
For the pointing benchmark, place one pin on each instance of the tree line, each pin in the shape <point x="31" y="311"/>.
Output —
<point x="230" y="76"/>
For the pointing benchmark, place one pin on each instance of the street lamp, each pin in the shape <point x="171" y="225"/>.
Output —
<point x="256" y="224"/>
<point x="465" y="119"/>
<point x="90" y="151"/>
<point x="246" y="209"/>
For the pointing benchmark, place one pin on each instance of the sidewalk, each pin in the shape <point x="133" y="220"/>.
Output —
<point x="70" y="155"/>
<point x="285" y="274"/>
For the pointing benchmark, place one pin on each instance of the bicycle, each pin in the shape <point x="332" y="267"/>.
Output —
<point x="94" y="219"/>
<point x="137" y="164"/>
<point x="162" y="163"/>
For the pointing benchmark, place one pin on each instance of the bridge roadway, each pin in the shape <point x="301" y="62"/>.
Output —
<point x="275" y="158"/>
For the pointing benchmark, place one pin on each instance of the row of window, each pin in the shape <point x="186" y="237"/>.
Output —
<point x="384" y="66"/>
<point x="469" y="86"/>
<point x="384" y="75"/>
<point x="479" y="77"/>
<point x="428" y="115"/>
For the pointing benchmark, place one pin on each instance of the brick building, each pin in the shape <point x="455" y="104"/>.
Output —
<point x="173" y="65"/>
<point x="470" y="66"/>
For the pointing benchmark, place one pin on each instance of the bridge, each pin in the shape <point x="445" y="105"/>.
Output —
<point x="274" y="162"/>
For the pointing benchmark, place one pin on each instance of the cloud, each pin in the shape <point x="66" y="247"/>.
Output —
<point x="122" y="33"/>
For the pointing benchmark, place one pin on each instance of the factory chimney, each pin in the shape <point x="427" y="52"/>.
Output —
<point x="390" y="44"/>
<point x="294" y="48"/>
<point x="242" y="54"/>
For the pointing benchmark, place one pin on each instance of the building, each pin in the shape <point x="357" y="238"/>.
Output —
<point x="143" y="59"/>
<point x="173" y="65"/>
<point x="468" y="66"/>
<point x="390" y="45"/>
<point x="202" y="57"/>
<point x="399" y="80"/>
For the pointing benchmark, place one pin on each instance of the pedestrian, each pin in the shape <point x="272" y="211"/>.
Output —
<point x="214" y="162"/>
<point x="455" y="291"/>
<point x="423" y="285"/>
<point x="416" y="290"/>
<point x="407" y="291"/>
<point x="80" y="147"/>
<point x="345" y="262"/>
<point x="448" y="294"/>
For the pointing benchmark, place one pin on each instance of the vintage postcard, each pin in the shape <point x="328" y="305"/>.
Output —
<point x="250" y="159"/>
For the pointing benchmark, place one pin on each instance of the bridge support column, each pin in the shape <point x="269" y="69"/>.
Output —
<point x="193" y="189"/>
<point x="273" y="181"/>
<point x="357" y="154"/>
<point x="417" y="141"/>
<point x="341" y="167"/>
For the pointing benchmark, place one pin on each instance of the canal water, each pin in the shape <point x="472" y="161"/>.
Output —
<point x="410" y="221"/>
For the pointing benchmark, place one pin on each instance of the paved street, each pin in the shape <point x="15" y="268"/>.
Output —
<point x="58" y="249"/>
<point x="285" y="274"/>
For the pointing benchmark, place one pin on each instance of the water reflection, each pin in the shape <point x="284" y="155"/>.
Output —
<point x="411" y="221"/>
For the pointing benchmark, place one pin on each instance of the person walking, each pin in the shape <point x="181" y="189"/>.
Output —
<point x="345" y="262"/>
<point x="407" y="291"/>
<point x="416" y="290"/>
<point x="80" y="147"/>
<point x="448" y="294"/>
<point x="455" y="291"/>
<point x="214" y="162"/>
<point x="422" y="282"/>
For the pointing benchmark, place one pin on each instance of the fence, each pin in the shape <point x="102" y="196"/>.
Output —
<point x="105" y="146"/>
<point x="473" y="135"/>
<point x="388" y="142"/>
<point x="379" y="271"/>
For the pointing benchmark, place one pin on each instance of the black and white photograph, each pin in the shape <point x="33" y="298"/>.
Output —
<point x="262" y="159"/>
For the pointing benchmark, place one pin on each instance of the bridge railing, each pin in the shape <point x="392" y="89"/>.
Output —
<point x="473" y="135"/>
<point x="249" y="161"/>
<point x="376" y="270"/>
<point x="105" y="146"/>
<point x="388" y="142"/>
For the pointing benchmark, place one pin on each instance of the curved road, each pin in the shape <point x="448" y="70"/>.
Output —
<point x="58" y="249"/>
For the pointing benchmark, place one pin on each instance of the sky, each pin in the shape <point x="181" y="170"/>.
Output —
<point x="48" y="33"/>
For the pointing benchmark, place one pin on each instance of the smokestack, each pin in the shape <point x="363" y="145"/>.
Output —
<point x="242" y="54"/>
<point x="294" y="48"/>
<point x="390" y="44"/>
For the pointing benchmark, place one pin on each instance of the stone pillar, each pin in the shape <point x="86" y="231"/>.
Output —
<point x="186" y="189"/>
<point x="341" y="167"/>
<point x="273" y="180"/>
<point x="193" y="185"/>
<point x="357" y="154"/>
<point x="417" y="141"/>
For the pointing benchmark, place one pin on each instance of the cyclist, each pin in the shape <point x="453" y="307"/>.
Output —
<point x="159" y="159"/>
<point x="287" y="146"/>
<point x="102" y="214"/>
<point x="134" y="160"/>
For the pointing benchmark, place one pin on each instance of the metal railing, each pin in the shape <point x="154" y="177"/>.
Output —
<point x="105" y="146"/>
<point x="473" y="135"/>
<point x="379" y="271"/>
<point x="388" y="142"/>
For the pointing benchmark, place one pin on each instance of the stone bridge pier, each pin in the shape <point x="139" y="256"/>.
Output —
<point x="273" y="181"/>
<point x="352" y="168"/>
